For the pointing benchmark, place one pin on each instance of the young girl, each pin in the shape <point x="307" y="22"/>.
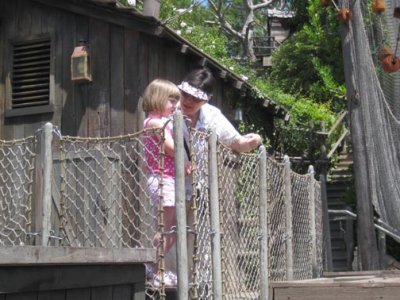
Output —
<point x="160" y="99"/>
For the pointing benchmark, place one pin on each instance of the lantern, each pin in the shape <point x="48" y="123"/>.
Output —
<point x="390" y="64"/>
<point x="378" y="6"/>
<point x="238" y="114"/>
<point x="80" y="64"/>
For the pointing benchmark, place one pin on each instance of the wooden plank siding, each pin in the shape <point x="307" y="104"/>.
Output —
<point x="106" y="282"/>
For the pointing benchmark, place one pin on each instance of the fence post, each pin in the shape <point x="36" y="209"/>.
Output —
<point x="47" y="167"/>
<point x="264" y="235"/>
<point x="382" y="249"/>
<point x="214" y="212"/>
<point x="181" y="252"/>
<point x="325" y="215"/>
<point x="312" y="216"/>
<point x="289" y="218"/>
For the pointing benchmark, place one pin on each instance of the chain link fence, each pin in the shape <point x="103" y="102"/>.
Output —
<point x="104" y="195"/>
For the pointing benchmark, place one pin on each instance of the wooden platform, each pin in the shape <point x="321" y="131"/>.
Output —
<point x="32" y="273"/>
<point x="383" y="285"/>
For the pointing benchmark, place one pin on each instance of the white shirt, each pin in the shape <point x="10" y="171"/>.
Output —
<point x="211" y="118"/>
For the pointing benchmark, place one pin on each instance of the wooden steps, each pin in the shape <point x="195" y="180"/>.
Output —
<point x="339" y="186"/>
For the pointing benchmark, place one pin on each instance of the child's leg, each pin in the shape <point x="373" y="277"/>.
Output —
<point x="169" y="222"/>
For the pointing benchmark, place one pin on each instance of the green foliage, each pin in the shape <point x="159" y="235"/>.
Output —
<point x="309" y="64"/>
<point x="307" y="75"/>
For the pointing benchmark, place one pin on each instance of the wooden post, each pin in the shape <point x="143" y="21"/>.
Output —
<point x="382" y="250"/>
<point x="355" y="62"/>
<point x="47" y="167"/>
<point x="289" y="219"/>
<point x="327" y="251"/>
<point x="264" y="284"/>
<point x="215" y="222"/>
<point x="312" y="219"/>
<point x="325" y="225"/>
<point x="181" y="253"/>
<point x="349" y="240"/>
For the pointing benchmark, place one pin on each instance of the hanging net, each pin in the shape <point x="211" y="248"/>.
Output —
<point x="375" y="95"/>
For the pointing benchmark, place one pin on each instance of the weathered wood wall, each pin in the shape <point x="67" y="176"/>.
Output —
<point x="71" y="282"/>
<point x="124" y="60"/>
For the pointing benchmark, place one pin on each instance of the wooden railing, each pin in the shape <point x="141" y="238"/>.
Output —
<point x="264" y="46"/>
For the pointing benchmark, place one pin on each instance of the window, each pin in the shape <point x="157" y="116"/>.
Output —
<point x="30" y="78"/>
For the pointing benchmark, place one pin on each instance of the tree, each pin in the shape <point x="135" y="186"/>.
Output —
<point x="237" y="19"/>
<point x="242" y="30"/>
<point x="309" y="63"/>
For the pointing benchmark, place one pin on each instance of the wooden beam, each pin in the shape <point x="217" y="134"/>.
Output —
<point x="238" y="84"/>
<point x="37" y="255"/>
<point x="223" y="74"/>
<point x="33" y="110"/>
<point x="203" y="62"/>
<point x="184" y="48"/>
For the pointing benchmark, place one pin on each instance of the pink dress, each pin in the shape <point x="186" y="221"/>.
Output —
<point x="152" y="154"/>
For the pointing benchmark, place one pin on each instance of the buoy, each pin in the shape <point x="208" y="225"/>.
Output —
<point x="383" y="52"/>
<point x="325" y="3"/>
<point x="378" y="6"/>
<point x="390" y="64"/>
<point x="344" y="15"/>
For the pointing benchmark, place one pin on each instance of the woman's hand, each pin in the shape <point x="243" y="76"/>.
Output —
<point x="253" y="139"/>
<point x="246" y="143"/>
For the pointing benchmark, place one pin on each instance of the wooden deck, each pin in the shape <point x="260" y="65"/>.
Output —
<point x="383" y="285"/>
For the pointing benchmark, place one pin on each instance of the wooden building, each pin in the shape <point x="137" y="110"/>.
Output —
<point x="126" y="51"/>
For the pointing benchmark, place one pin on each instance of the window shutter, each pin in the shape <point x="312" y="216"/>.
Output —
<point x="31" y="74"/>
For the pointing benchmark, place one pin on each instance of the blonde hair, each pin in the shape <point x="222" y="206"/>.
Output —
<point x="157" y="93"/>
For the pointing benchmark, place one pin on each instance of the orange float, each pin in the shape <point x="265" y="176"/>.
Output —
<point x="390" y="64"/>
<point x="325" y="3"/>
<point x="344" y="15"/>
<point x="378" y="6"/>
<point x="383" y="52"/>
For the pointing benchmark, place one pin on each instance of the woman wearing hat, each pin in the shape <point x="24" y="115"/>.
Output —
<point x="196" y="91"/>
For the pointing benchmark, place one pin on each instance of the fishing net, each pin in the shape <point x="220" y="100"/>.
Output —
<point x="374" y="102"/>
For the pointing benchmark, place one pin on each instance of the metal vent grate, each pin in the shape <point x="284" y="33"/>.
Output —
<point x="31" y="74"/>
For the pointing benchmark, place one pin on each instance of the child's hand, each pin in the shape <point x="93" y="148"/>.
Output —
<point x="188" y="167"/>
